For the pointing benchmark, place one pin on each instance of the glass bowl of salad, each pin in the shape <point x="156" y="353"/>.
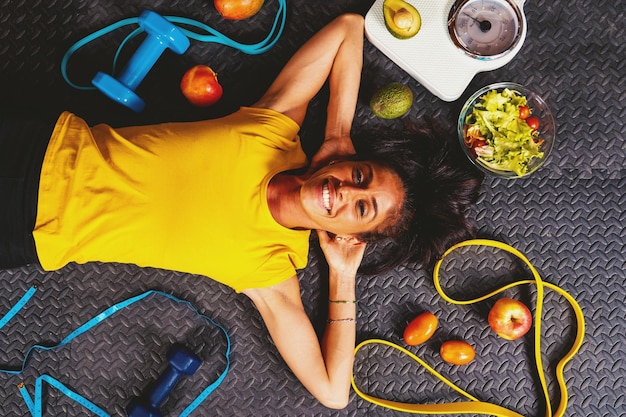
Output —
<point x="506" y="130"/>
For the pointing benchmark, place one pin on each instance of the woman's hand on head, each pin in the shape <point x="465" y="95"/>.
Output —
<point x="332" y="148"/>
<point x="343" y="254"/>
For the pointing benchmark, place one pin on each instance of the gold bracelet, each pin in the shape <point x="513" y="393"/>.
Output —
<point x="347" y="319"/>
<point x="342" y="301"/>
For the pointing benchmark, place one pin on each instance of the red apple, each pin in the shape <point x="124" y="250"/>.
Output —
<point x="510" y="318"/>
<point x="238" y="9"/>
<point x="200" y="86"/>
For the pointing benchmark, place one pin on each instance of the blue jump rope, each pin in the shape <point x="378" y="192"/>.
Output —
<point x="35" y="403"/>
<point x="161" y="33"/>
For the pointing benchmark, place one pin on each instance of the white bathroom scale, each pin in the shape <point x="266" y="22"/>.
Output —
<point x="457" y="40"/>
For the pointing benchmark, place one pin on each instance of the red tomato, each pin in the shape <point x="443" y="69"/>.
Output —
<point x="200" y="86"/>
<point x="524" y="112"/>
<point x="533" y="122"/>
<point x="420" y="329"/>
<point x="457" y="352"/>
<point x="479" y="143"/>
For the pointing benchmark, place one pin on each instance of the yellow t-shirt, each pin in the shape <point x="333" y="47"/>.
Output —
<point x="188" y="197"/>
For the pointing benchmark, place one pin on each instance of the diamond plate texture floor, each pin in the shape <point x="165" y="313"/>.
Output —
<point x="568" y="219"/>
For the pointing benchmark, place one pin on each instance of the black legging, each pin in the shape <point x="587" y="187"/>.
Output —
<point x="22" y="148"/>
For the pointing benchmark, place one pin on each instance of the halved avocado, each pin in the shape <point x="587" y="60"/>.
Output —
<point x="401" y="18"/>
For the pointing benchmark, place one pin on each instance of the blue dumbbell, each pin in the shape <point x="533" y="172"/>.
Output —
<point x="161" y="35"/>
<point x="181" y="362"/>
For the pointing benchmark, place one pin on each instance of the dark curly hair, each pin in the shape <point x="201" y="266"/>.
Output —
<point x="439" y="186"/>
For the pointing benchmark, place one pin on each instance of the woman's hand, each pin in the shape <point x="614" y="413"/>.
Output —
<point x="343" y="254"/>
<point x="332" y="148"/>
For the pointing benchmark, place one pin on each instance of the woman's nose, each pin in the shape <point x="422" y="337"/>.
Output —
<point x="349" y="191"/>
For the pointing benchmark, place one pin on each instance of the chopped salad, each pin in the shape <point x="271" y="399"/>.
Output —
<point x="502" y="133"/>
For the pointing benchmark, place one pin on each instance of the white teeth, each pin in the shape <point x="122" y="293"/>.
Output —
<point x="326" y="196"/>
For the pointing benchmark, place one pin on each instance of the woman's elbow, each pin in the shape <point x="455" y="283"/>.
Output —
<point x="336" y="400"/>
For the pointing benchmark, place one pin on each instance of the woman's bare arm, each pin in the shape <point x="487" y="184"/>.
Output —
<point x="324" y="369"/>
<point x="335" y="54"/>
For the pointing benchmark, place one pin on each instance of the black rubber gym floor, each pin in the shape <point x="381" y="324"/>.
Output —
<point x="567" y="218"/>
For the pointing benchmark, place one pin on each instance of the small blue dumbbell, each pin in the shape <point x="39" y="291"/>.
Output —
<point x="181" y="362"/>
<point x="161" y="35"/>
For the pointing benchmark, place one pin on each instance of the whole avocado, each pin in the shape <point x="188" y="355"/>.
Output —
<point x="391" y="101"/>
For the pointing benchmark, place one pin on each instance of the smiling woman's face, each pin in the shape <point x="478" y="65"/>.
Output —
<point x="351" y="197"/>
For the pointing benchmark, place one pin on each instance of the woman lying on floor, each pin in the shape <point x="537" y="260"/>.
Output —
<point x="224" y="198"/>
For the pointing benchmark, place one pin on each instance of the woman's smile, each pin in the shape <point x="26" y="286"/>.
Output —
<point x="326" y="196"/>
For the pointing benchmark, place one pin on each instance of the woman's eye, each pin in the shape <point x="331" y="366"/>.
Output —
<point x="358" y="176"/>
<point x="361" y="208"/>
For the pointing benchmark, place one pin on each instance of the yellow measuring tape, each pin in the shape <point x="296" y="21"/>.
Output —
<point x="475" y="406"/>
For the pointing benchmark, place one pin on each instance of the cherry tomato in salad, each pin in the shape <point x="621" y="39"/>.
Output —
<point x="420" y="329"/>
<point x="457" y="352"/>
<point x="479" y="143"/>
<point x="533" y="122"/>
<point x="524" y="112"/>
